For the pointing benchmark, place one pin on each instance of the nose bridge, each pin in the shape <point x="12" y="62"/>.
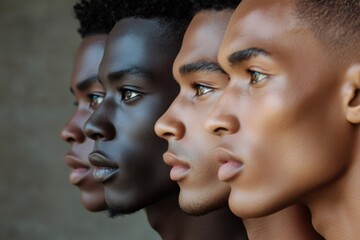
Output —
<point x="73" y="129"/>
<point x="99" y="125"/>
<point x="170" y="125"/>
<point x="223" y="117"/>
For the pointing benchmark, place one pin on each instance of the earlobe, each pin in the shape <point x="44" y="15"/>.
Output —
<point x="352" y="94"/>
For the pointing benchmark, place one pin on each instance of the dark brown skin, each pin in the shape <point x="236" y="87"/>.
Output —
<point x="123" y="127"/>
<point x="288" y="120"/>
<point x="191" y="146"/>
<point x="88" y="93"/>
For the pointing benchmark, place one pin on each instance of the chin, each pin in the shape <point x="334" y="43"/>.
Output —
<point x="244" y="205"/>
<point x="93" y="203"/>
<point x="198" y="205"/>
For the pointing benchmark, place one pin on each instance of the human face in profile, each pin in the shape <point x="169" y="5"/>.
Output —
<point x="201" y="81"/>
<point x="88" y="93"/>
<point x="136" y="74"/>
<point x="281" y="116"/>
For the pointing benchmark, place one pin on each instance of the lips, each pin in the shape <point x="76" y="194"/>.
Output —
<point x="79" y="169"/>
<point x="104" y="170"/>
<point x="230" y="165"/>
<point x="179" y="168"/>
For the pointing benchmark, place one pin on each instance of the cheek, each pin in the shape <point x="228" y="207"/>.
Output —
<point x="295" y="143"/>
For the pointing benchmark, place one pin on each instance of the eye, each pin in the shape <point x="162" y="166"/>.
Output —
<point x="129" y="94"/>
<point x="201" y="89"/>
<point x="256" y="77"/>
<point x="95" y="100"/>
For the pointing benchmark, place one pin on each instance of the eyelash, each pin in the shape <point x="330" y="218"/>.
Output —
<point x="197" y="87"/>
<point x="256" y="73"/>
<point x="133" y="94"/>
<point x="95" y="100"/>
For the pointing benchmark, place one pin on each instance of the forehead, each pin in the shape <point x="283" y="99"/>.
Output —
<point x="260" y="22"/>
<point x="136" y="43"/>
<point x="203" y="36"/>
<point x="88" y="57"/>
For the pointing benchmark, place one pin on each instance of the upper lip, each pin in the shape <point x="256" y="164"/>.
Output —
<point x="223" y="155"/>
<point x="99" y="159"/>
<point x="172" y="160"/>
<point x="74" y="161"/>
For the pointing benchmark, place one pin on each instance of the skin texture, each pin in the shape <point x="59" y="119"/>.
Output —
<point x="123" y="127"/>
<point x="88" y="92"/>
<point x="190" y="145"/>
<point x="138" y="91"/>
<point x="280" y="145"/>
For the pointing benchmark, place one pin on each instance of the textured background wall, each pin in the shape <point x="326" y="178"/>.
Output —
<point x="38" y="40"/>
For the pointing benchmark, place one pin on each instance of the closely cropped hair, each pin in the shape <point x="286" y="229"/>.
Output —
<point x="336" y="23"/>
<point x="94" y="17"/>
<point x="176" y="14"/>
<point x="215" y="5"/>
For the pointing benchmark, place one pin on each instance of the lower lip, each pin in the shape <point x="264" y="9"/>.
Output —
<point x="178" y="172"/>
<point x="102" y="174"/>
<point x="229" y="170"/>
<point x="77" y="175"/>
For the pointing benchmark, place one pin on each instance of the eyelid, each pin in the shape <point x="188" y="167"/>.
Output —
<point x="251" y="72"/>
<point x="125" y="89"/>
<point x="93" y="105"/>
<point x="197" y="85"/>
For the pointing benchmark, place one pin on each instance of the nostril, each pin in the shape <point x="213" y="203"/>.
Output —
<point x="167" y="135"/>
<point x="220" y="130"/>
<point x="72" y="134"/>
<point x="96" y="136"/>
<point x="70" y="140"/>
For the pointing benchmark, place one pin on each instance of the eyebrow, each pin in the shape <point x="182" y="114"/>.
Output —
<point x="203" y="66"/>
<point x="83" y="85"/>
<point x="134" y="71"/>
<point x="87" y="83"/>
<point x="245" y="55"/>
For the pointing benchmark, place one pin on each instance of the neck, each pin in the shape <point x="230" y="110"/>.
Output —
<point x="291" y="223"/>
<point x="171" y="223"/>
<point x="335" y="208"/>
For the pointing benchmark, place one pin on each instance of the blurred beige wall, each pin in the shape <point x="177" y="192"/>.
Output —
<point x="38" y="40"/>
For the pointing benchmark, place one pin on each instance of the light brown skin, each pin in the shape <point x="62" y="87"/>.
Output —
<point x="191" y="146"/>
<point x="123" y="127"/>
<point x="88" y="92"/>
<point x="288" y="121"/>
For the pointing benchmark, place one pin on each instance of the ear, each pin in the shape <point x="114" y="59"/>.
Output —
<point x="352" y="94"/>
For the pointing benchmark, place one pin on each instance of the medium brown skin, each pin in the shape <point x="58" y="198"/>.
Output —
<point x="123" y="127"/>
<point x="190" y="145"/>
<point x="88" y="92"/>
<point x="288" y="120"/>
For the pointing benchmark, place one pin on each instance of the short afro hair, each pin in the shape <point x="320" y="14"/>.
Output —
<point x="94" y="17"/>
<point x="336" y="23"/>
<point x="175" y="14"/>
<point x="215" y="5"/>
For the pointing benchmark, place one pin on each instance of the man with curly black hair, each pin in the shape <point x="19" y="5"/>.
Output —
<point x="201" y="79"/>
<point x="88" y="92"/>
<point x="289" y="117"/>
<point x="136" y="72"/>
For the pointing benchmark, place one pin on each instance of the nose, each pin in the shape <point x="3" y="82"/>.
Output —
<point x="98" y="126"/>
<point x="72" y="131"/>
<point x="170" y="126"/>
<point x="222" y="121"/>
